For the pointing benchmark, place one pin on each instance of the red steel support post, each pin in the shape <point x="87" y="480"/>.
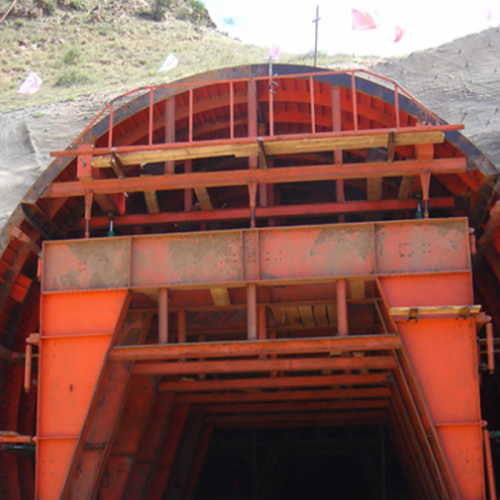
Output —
<point x="188" y="192"/>
<point x="181" y="326"/>
<point x="261" y="313"/>
<point x="343" y="328"/>
<point x="337" y="154"/>
<point x="163" y="316"/>
<point x="490" y="347"/>
<point x="252" y="311"/>
<point x="489" y="465"/>
<point x="169" y="131"/>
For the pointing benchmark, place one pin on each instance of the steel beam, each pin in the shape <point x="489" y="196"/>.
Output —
<point x="309" y="210"/>
<point x="256" y="348"/>
<point x="244" y="177"/>
<point x="263" y="256"/>
<point x="296" y="395"/>
<point x="274" y="383"/>
<point x="311" y="406"/>
<point x="255" y="366"/>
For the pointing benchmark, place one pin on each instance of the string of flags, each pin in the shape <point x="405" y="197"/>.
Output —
<point x="364" y="20"/>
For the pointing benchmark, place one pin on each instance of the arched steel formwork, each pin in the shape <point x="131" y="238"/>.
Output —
<point x="302" y="242"/>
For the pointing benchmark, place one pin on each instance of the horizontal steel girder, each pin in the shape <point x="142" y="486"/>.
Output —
<point x="256" y="348"/>
<point x="268" y="257"/>
<point x="244" y="177"/>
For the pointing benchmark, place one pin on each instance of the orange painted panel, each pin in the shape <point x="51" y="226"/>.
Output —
<point x="53" y="457"/>
<point x="443" y="356"/>
<point x="463" y="447"/>
<point x="72" y="349"/>
<point x="80" y="313"/>
<point x="70" y="367"/>
<point x="428" y="290"/>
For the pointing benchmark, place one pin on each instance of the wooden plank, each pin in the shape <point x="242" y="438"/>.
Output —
<point x="293" y="317"/>
<point x="203" y="198"/>
<point x="220" y="296"/>
<point x="272" y="147"/>
<point x="320" y="315"/>
<point x="357" y="289"/>
<point x="332" y="314"/>
<point x="152" y="202"/>
<point x="306" y="314"/>
<point x="404" y="187"/>
<point x="280" y="315"/>
<point x="435" y="310"/>
<point x="117" y="166"/>
<point x="374" y="189"/>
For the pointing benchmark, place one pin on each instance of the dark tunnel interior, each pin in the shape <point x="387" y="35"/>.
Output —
<point x="302" y="464"/>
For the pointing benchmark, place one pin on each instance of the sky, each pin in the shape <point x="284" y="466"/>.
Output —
<point x="288" y="23"/>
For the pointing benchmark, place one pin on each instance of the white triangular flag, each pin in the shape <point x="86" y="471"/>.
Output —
<point x="169" y="63"/>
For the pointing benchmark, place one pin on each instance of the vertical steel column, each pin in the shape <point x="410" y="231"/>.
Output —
<point x="490" y="473"/>
<point x="188" y="193"/>
<point x="252" y="311"/>
<point x="181" y="326"/>
<point x="231" y="109"/>
<point x="490" y="347"/>
<point x="261" y="313"/>
<point x="169" y="131"/>
<point x="337" y="155"/>
<point x="163" y="316"/>
<point x="396" y="104"/>
<point x="110" y="133"/>
<point x="342" y="308"/>
<point x="191" y="110"/>
<point x="354" y="100"/>
<point x="151" y="116"/>
<point x="313" y="110"/>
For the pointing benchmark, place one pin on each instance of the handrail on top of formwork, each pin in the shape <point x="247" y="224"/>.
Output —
<point x="190" y="86"/>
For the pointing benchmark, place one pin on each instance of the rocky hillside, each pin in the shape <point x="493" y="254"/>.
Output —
<point x="90" y="47"/>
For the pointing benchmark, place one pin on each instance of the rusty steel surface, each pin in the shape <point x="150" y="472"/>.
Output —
<point x="209" y="309"/>
<point x="264" y="256"/>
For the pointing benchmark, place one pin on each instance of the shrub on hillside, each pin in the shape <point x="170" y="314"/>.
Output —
<point x="72" y="57"/>
<point x="160" y="8"/>
<point x="74" y="76"/>
<point x="198" y="7"/>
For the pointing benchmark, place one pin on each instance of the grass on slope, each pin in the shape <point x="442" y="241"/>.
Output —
<point x="88" y="51"/>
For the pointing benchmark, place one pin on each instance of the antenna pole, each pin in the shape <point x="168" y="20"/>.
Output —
<point x="316" y="35"/>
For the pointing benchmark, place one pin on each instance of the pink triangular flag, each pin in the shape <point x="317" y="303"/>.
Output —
<point x="274" y="52"/>
<point x="363" y="20"/>
<point x="399" y="33"/>
<point x="31" y="84"/>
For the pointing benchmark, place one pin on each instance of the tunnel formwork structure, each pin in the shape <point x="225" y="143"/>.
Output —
<point x="254" y="248"/>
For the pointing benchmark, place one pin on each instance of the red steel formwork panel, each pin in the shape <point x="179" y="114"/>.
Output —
<point x="421" y="268"/>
